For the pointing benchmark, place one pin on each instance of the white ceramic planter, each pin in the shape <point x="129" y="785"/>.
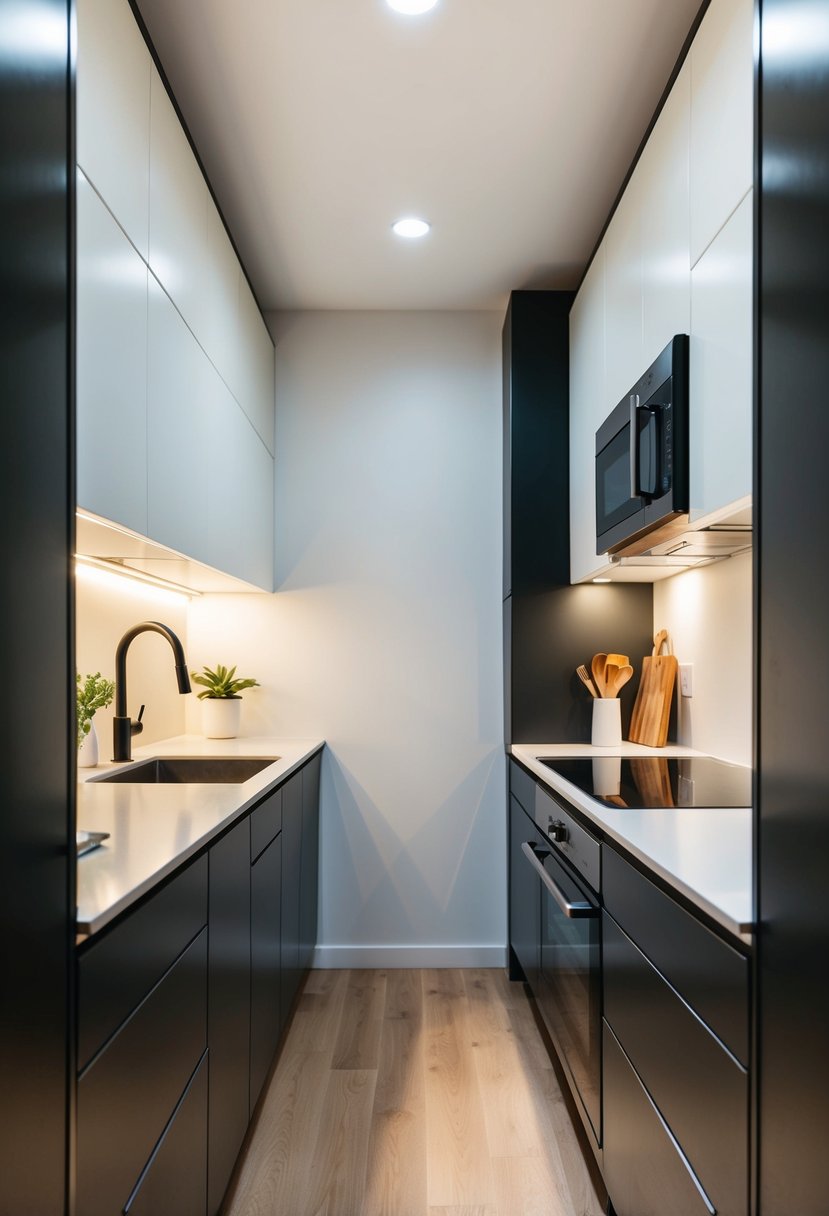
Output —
<point x="221" y="717"/>
<point x="88" y="750"/>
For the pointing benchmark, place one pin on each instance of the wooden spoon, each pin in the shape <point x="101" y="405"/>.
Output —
<point x="610" y="672"/>
<point x="597" y="666"/>
<point x="618" y="660"/>
<point x="620" y="679"/>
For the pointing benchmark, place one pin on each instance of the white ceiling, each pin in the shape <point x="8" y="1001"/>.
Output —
<point x="508" y="124"/>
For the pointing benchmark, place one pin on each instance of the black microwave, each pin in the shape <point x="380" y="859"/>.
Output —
<point x="642" y="458"/>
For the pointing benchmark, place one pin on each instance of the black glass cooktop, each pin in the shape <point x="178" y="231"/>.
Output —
<point x="657" y="781"/>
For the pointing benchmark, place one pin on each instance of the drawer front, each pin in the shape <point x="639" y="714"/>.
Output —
<point x="265" y="934"/>
<point x="175" y="1179"/>
<point x="700" y="1091"/>
<point x="643" y="1169"/>
<point x="522" y="787"/>
<point x="117" y="972"/>
<point x="578" y="846"/>
<point x="128" y="1093"/>
<point x="708" y="973"/>
<point x="524" y="895"/>
<point x="265" y="823"/>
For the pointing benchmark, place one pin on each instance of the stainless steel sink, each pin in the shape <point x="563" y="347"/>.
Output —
<point x="191" y="770"/>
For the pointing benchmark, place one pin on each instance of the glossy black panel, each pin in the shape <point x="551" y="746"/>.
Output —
<point x="792" y="501"/>
<point x="265" y="905"/>
<point x="701" y="1092"/>
<point x="37" y="508"/>
<point x="228" y="1006"/>
<point x="174" y="1180"/>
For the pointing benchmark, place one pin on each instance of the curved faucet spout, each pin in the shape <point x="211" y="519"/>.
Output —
<point x="123" y="727"/>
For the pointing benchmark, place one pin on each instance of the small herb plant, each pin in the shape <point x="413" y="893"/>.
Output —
<point x="220" y="685"/>
<point x="93" y="693"/>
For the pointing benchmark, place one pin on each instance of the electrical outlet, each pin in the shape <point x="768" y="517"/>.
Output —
<point x="686" y="679"/>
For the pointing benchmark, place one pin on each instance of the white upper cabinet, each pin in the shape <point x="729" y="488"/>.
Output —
<point x="663" y="192"/>
<point x="178" y="212"/>
<point x="113" y="112"/>
<point x="623" y="294"/>
<point x="221" y="336"/>
<point x="111" y="350"/>
<point x="256" y="388"/>
<point x="720" y="373"/>
<point x="722" y="118"/>
<point x="178" y="431"/>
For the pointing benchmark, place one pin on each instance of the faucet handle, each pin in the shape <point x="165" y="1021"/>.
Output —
<point x="137" y="726"/>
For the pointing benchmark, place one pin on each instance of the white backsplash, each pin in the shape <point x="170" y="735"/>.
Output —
<point x="707" y="613"/>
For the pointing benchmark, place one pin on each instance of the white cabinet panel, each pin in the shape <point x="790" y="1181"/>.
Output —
<point x="256" y="391"/>
<point x="221" y="335"/>
<point x="240" y="513"/>
<point x="588" y="407"/>
<point x="720" y="370"/>
<point x="178" y="439"/>
<point x="666" y="263"/>
<point x="178" y="211"/>
<point x="111" y="367"/>
<point x="113" y="112"/>
<point x="722" y="117"/>
<point x="623" y="294"/>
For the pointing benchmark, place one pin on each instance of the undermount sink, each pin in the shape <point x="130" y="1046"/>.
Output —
<point x="191" y="770"/>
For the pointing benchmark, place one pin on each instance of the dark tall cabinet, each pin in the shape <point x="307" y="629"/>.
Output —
<point x="792" y="594"/>
<point x="36" y="606"/>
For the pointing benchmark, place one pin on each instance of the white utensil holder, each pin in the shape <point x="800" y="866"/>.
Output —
<point x="607" y="722"/>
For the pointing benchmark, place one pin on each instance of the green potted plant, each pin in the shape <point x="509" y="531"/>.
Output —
<point x="221" y="701"/>
<point x="93" y="692"/>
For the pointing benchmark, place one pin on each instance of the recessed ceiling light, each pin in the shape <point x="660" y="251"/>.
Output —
<point x="412" y="8"/>
<point x="410" y="227"/>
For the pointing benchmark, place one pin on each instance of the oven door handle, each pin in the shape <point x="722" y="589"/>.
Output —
<point x="576" y="908"/>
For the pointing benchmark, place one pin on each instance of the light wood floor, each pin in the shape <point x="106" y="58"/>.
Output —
<point x="413" y="1093"/>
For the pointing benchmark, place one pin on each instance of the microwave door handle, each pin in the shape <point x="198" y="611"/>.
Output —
<point x="575" y="909"/>
<point x="633" y="431"/>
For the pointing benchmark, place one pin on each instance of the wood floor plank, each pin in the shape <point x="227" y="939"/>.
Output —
<point x="396" y="1173"/>
<point x="335" y="1181"/>
<point x="316" y="1021"/>
<point x="458" y="1166"/>
<point x="513" y="1128"/>
<point x="358" y="1039"/>
<point x="528" y="1186"/>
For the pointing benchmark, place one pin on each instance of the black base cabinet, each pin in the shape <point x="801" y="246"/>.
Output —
<point x="181" y="1009"/>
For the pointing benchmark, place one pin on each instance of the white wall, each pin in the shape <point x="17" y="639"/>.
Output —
<point x="384" y="636"/>
<point x="106" y="607"/>
<point x="707" y="613"/>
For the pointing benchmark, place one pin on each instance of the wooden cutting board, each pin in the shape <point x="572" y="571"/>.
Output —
<point x="649" y="721"/>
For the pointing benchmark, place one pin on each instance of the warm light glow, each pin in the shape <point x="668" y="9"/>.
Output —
<point x="121" y="578"/>
<point x="410" y="227"/>
<point x="412" y="8"/>
<point x="602" y="580"/>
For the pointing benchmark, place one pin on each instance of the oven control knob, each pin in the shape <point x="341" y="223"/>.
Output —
<point x="557" y="831"/>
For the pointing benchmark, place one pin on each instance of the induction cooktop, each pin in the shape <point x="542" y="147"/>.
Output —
<point x="657" y="781"/>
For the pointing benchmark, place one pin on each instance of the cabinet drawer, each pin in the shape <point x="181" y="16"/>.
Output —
<point x="644" y="1171"/>
<point x="708" y="973"/>
<point x="522" y="787"/>
<point x="128" y="1093"/>
<point x="117" y="972"/>
<point x="176" y="1175"/>
<point x="265" y="823"/>
<point x="700" y="1091"/>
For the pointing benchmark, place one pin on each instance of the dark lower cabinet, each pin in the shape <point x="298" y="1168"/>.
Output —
<point x="175" y="1179"/>
<point x="524" y="899"/>
<point x="265" y="954"/>
<point x="228" y="1007"/>
<point x="309" y="887"/>
<point x="291" y="884"/>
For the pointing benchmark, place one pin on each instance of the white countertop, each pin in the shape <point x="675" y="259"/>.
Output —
<point x="703" y="852"/>
<point x="154" y="828"/>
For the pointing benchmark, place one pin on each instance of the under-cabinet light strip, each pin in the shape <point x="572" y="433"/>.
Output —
<point x="138" y="576"/>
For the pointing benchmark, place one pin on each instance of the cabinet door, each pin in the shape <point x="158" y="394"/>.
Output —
<point x="524" y="899"/>
<point x="624" y="242"/>
<point x="291" y="875"/>
<point x="309" y="882"/>
<point x="220" y="336"/>
<point x="113" y="112"/>
<point x="178" y="434"/>
<point x="722" y="118"/>
<point x="265" y="906"/>
<point x="111" y="367"/>
<point x="174" y="1180"/>
<point x="178" y="211"/>
<point x="240" y="510"/>
<point x="228" y="1006"/>
<point x="720" y="371"/>
<point x="255" y="392"/>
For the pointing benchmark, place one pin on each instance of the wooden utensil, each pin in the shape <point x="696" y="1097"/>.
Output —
<point x="649" y="721"/>
<point x="619" y="680"/>
<point x="584" y="676"/>
<point x="597" y="665"/>
<point x="619" y="660"/>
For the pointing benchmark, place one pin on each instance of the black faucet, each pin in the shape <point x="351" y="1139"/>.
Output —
<point x="123" y="727"/>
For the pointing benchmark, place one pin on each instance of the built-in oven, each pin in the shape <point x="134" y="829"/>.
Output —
<point x="568" y="982"/>
<point x="642" y="489"/>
